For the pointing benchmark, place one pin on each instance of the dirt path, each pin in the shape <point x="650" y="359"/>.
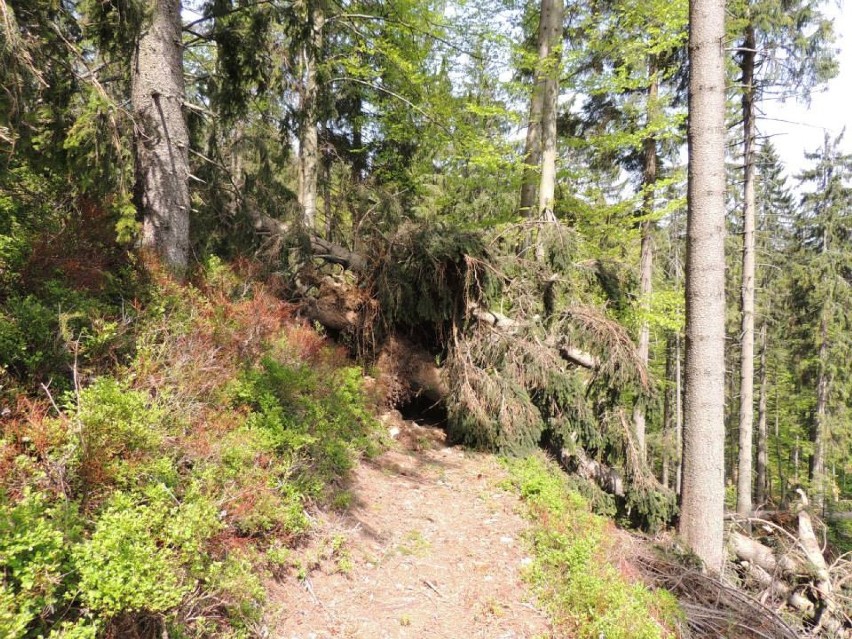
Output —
<point x="430" y="548"/>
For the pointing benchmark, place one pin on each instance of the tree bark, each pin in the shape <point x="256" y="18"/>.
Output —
<point x="532" y="147"/>
<point x="678" y="416"/>
<point x="702" y="510"/>
<point x="746" y="421"/>
<point x="668" y="420"/>
<point x="161" y="140"/>
<point x="542" y="117"/>
<point x="646" y="259"/>
<point x="817" y="467"/>
<point x="762" y="479"/>
<point x="308" y="136"/>
<point x="551" y="17"/>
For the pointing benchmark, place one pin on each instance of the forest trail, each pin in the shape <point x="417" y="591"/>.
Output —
<point x="431" y="547"/>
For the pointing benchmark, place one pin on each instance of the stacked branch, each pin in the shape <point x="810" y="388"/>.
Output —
<point x="785" y="567"/>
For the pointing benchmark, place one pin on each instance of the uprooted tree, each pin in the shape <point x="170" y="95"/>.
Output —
<point x="519" y="352"/>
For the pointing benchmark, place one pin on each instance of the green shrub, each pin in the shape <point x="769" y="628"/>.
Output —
<point x="145" y="554"/>
<point x="315" y="418"/>
<point x="112" y="426"/>
<point x="586" y="595"/>
<point x="236" y="583"/>
<point x="33" y="562"/>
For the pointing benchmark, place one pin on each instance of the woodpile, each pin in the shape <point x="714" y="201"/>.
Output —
<point x="780" y="559"/>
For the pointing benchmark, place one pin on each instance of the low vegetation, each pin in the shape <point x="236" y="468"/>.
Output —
<point x="572" y="572"/>
<point x="155" y="496"/>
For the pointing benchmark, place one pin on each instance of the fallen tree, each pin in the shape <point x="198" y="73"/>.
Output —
<point x="421" y="304"/>
<point x="519" y="357"/>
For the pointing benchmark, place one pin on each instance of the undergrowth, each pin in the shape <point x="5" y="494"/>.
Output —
<point x="571" y="573"/>
<point x="153" y="496"/>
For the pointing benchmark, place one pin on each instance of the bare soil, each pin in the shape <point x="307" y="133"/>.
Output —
<point x="431" y="547"/>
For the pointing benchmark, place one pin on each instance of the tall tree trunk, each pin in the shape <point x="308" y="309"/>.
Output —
<point x="542" y="104"/>
<point x="308" y="136"/>
<point x="359" y="155"/>
<point x="532" y="147"/>
<point x="702" y="510"/>
<point x="678" y="415"/>
<point x="782" y="482"/>
<point x="646" y="259"/>
<point x="668" y="416"/>
<point x="762" y="479"/>
<point x="328" y="208"/>
<point x="161" y="140"/>
<point x="551" y="16"/>
<point x="817" y="468"/>
<point x="745" y="461"/>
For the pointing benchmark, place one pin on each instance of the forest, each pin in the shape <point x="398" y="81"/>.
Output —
<point x="235" y="234"/>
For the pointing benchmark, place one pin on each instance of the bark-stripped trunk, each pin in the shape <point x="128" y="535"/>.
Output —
<point x="308" y="137"/>
<point x="542" y="106"/>
<point x="745" y="461"/>
<point x="762" y="479"/>
<point x="702" y="510"/>
<point x="161" y="140"/>
<point x="646" y="259"/>
<point x="551" y="16"/>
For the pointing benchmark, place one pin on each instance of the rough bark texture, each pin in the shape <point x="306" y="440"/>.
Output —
<point x="532" y="147"/>
<point x="161" y="140"/>
<point x="702" y="510"/>
<point x="551" y="19"/>
<point x="668" y="414"/>
<point x="678" y="415"/>
<point x="762" y="478"/>
<point x="308" y="136"/>
<point x="817" y="467"/>
<point x="746" y="417"/>
<point x="646" y="260"/>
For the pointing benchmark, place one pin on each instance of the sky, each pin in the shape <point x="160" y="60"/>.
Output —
<point x="795" y="128"/>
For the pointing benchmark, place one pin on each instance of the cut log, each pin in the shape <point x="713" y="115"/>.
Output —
<point x="747" y="549"/>
<point x="608" y="479"/>
<point x="336" y="254"/>
<point x="828" y="617"/>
